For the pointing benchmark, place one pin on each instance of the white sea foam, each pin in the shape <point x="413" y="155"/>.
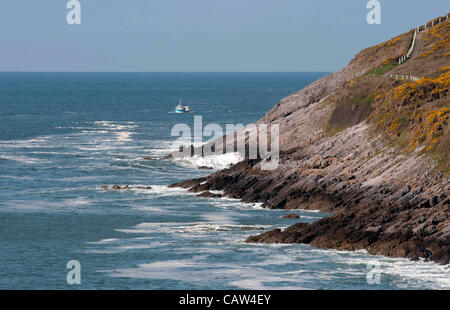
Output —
<point x="199" y="270"/>
<point x="214" y="224"/>
<point x="116" y="125"/>
<point x="124" y="135"/>
<point x="38" y="142"/>
<point x="219" y="218"/>
<point x="217" y="192"/>
<point x="104" y="241"/>
<point x="163" y="190"/>
<point x="214" y="161"/>
<point x="408" y="273"/>
<point x="231" y="203"/>
<point x="302" y="265"/>
<point x="80" y="201"/>
<point x="23" y="159"/>
<point x="162" y="147"/>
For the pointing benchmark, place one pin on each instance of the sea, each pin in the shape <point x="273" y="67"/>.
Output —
<point x="65" y="135"/>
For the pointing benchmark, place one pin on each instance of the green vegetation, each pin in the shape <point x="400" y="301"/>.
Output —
<point x="383" y="69"/>
<point x="414" y="116"/>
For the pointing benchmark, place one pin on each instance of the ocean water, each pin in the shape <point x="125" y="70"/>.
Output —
<point x="64" y="135"/>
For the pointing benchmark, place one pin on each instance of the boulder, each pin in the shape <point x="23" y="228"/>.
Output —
<point x="205" y="168"/>
<point x="291" y="216"/>
<point x="208" y="194"/>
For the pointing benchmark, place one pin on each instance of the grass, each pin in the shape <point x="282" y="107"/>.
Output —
<point x="383" y="69"/>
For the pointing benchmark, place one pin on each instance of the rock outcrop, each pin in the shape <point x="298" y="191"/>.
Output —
<point x="358" y="144"/>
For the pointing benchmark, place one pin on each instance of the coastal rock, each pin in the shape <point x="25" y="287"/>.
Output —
<point x="252" y="228"/>
<point x="385" y="199"/>
<point x="273" y="236"/>
<point x="144" y="187"/>
<point x="208" y="194"/>
<point x="126" y="187"/>
<point x="291" y="216"/>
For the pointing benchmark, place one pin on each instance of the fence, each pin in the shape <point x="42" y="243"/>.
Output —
<point x="433" y="23"/>
<point x="405" y="57"/>
<point x="425" y="27"/>
<point x="405" y="77"/>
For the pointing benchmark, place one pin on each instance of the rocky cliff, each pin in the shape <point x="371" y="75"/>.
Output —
<point x="367" y="145"/>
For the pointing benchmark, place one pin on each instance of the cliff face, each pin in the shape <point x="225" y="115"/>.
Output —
<point x="370" y="148"/>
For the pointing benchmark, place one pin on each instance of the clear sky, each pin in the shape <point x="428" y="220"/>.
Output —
<point x="199" y="35"/>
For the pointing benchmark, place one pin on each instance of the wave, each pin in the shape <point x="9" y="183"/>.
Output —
<point x="104" y="241"/>
<point x="217" y="223"/>
<point x="116" y="125"/>
<point x="22" y="159"/>
<point x="221" y="161"/>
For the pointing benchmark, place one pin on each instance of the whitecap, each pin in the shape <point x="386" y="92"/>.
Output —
<point x="22" y="159"/>
<point x="221" y="161"/>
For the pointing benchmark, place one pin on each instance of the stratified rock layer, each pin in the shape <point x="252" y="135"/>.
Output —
<point x="386" y="201"/>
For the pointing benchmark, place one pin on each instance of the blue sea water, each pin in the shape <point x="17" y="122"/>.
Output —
<point x="64" y="135"/>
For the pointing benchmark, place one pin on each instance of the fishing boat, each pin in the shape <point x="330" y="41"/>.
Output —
<point x="181" y="109"/>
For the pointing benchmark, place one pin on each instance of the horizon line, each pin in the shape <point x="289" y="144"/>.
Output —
<point x="309" y="71"/>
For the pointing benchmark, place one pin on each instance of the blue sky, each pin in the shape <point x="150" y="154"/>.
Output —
<point x="199" y="35"/>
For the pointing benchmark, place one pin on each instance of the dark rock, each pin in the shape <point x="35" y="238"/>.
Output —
<point x="170" y="156"/>
<point x="426" y="204"/>
<point x="434" y="200"/>
<point x="291" y="216"/>
<point x="208" y="194"/>
<point x="205" y="168"/>
<point x="252" y="228"/>
<point x="188" y="183"/>
<point x="144" y="187"/>
<point x="385" y="203"/>
<point x="273" y="236"/>
<point x="115" y="186"/>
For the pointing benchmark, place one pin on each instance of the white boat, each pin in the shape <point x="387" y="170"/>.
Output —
<point x="181" y="109"/>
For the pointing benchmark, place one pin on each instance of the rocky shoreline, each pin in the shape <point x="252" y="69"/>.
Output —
<point x="383" y="199"/>
<point x="392" y="220"/>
